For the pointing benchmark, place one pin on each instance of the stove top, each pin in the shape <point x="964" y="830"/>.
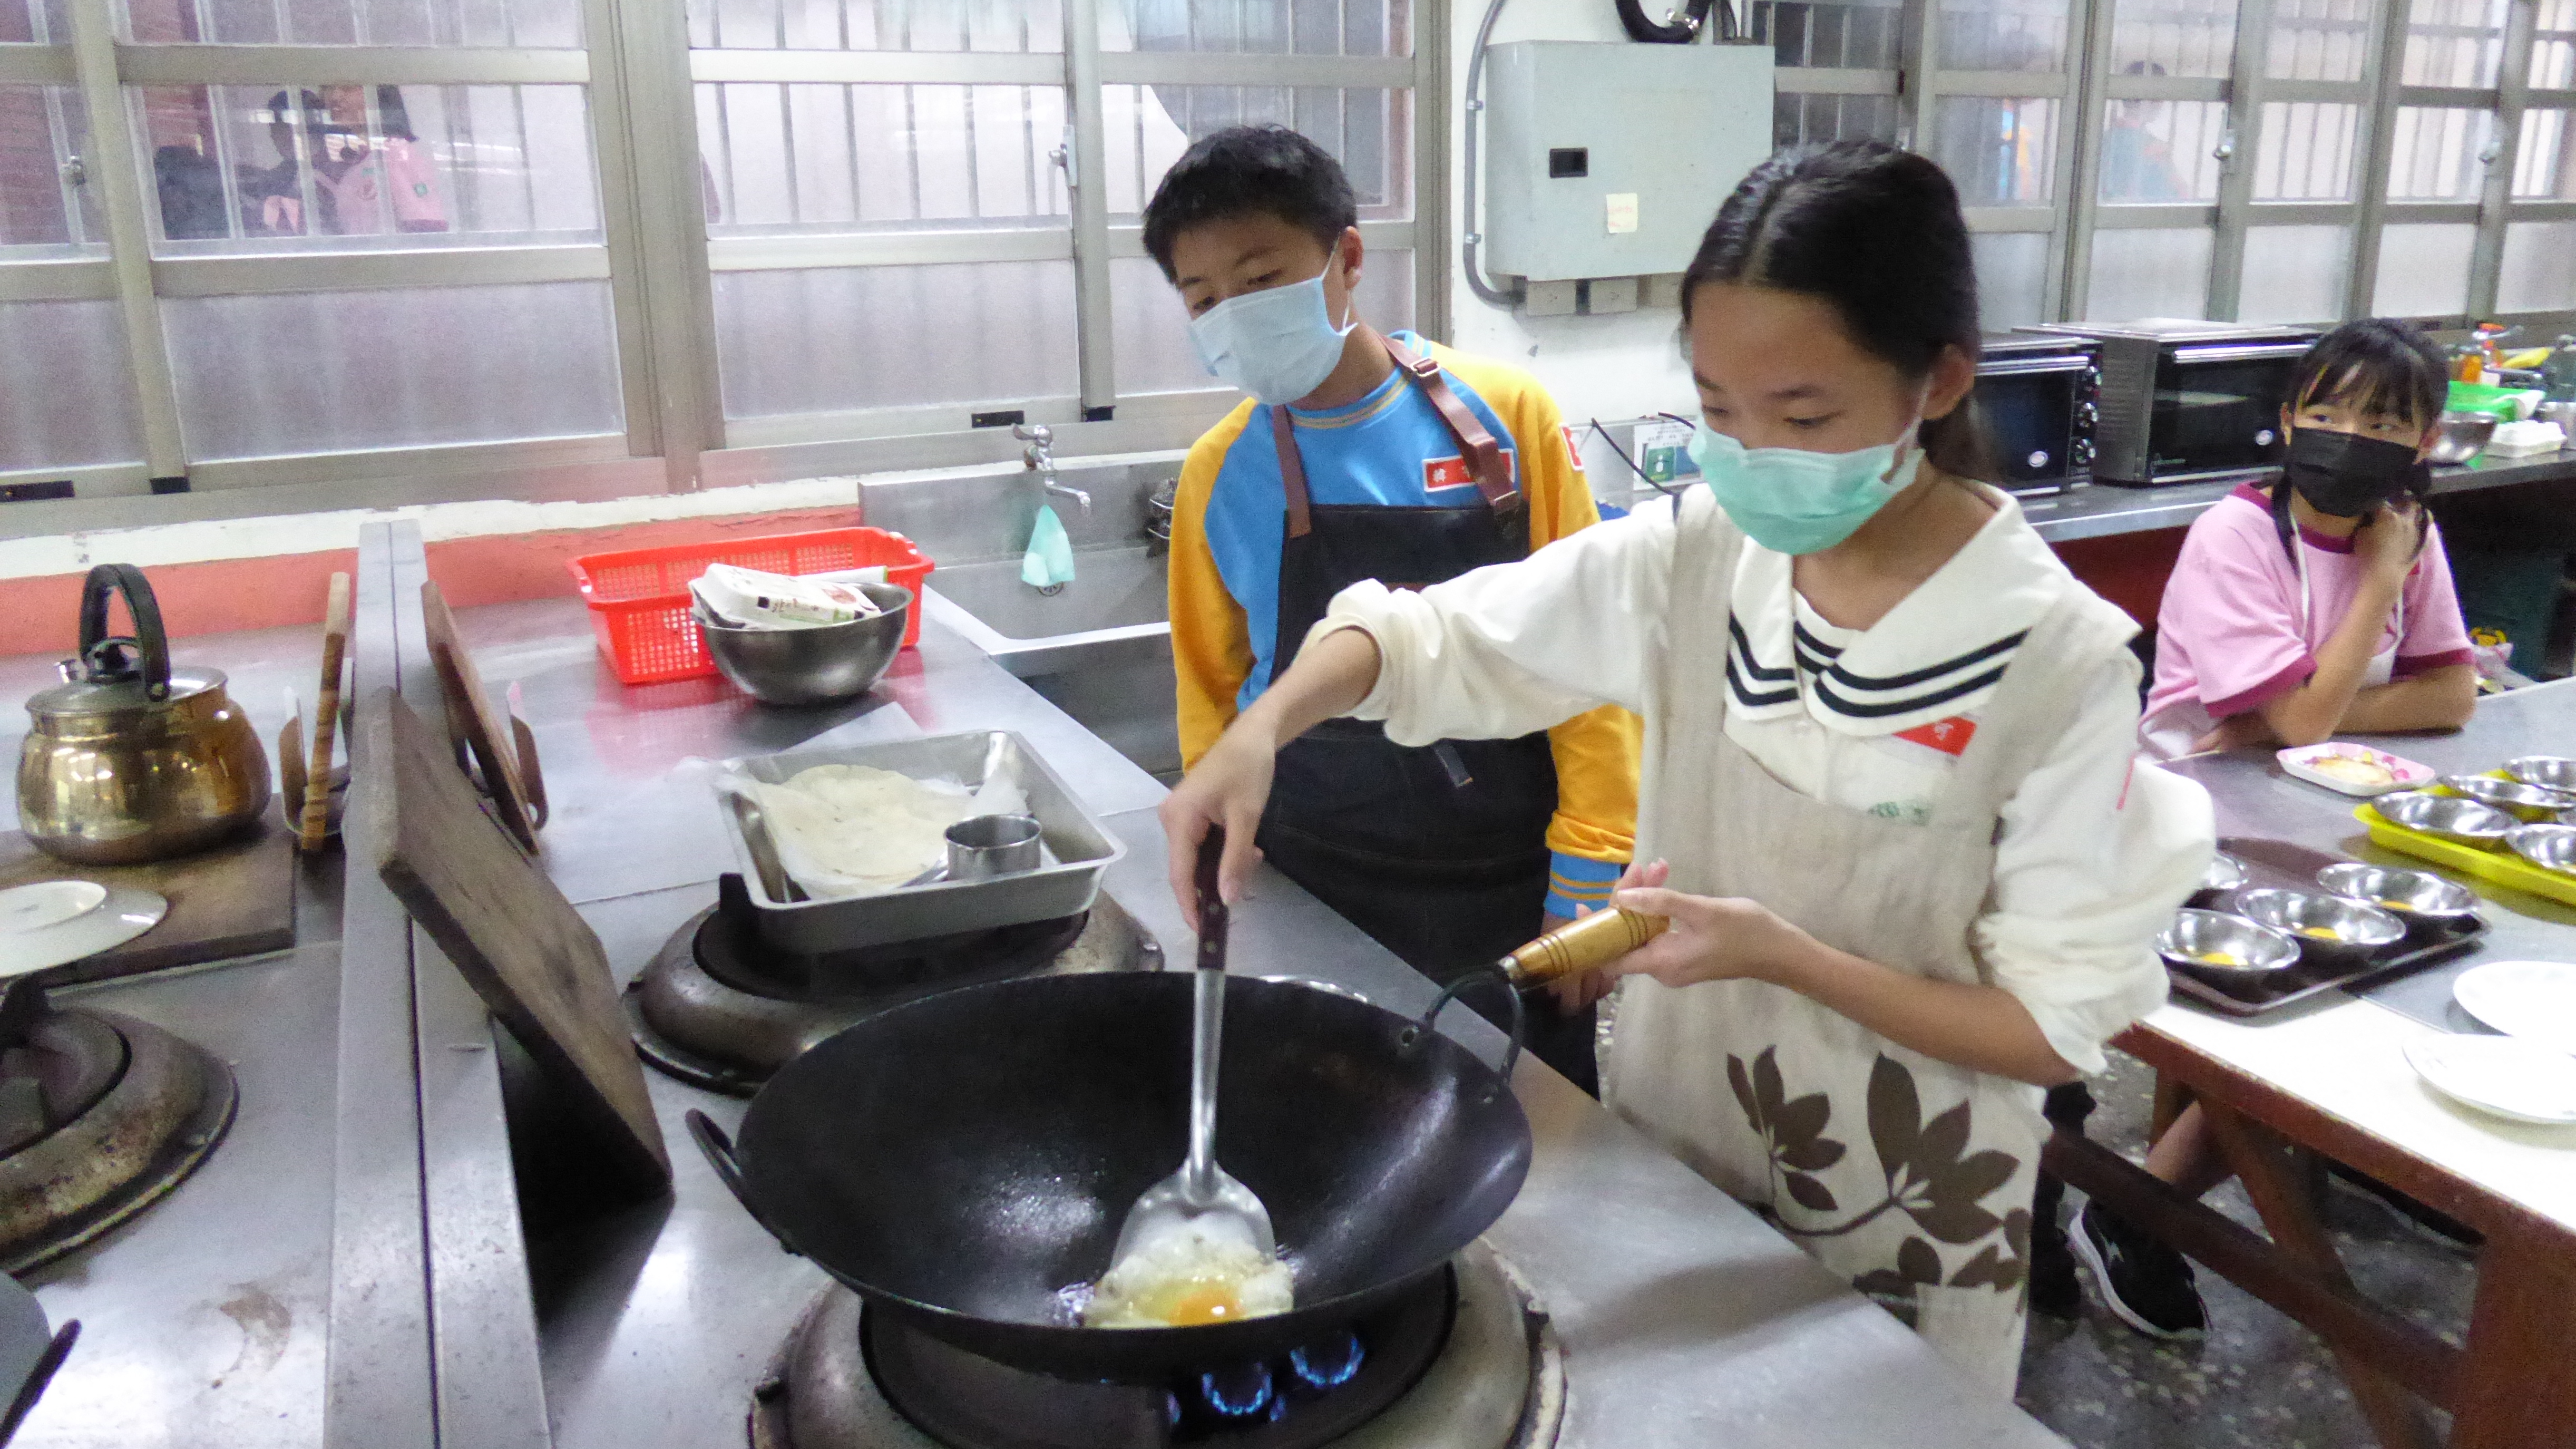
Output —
<point x="101" y="1115"/>
<point x="719" y="1008"/>
<point x="1470" y="1362"/>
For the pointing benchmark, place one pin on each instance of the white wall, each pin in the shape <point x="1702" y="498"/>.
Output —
<point x="1618" y="366"/>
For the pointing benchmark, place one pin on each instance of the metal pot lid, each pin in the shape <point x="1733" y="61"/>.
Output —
<point x="89" y="698"/>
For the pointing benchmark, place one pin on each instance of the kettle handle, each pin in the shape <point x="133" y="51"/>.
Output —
<point x="126" y="579"/>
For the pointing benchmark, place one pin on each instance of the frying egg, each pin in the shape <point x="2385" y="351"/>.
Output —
<point x="2322" y="933"/>
<point x="1189" y="1275"/>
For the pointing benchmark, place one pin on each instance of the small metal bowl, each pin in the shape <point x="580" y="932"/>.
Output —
<point x="2446" y="817"/>
<point x="2411" y="894"/>
<point x="2458" y="437"/>
<point x="2250" y="949"/>
<point x="2522" y="802"/>
<point x="2552" y="772"/>
<point x="2321" y="922"/>
<point x="823" y="664"/>
<point x="2551" y="847"/>
<point x="2225" y="873"/>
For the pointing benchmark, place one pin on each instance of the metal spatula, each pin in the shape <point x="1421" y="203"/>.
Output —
<point x="1201" y="1190"/>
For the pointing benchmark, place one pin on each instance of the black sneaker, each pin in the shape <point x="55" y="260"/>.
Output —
<point x="2145" y="1283"/>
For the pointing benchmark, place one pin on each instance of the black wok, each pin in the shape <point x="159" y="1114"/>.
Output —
<point x="965" y="1159"/>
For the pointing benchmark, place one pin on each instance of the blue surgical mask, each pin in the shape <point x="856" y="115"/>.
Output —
<point x="1278" y="344"/>
<point x="1792" y="501"/>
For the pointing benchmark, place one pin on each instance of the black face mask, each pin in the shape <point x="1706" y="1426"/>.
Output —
<point x="2345" y="474"/>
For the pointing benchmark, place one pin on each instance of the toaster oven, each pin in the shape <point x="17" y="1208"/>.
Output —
<point x="2183" y="401"/>
<point x="2039" y="399"/>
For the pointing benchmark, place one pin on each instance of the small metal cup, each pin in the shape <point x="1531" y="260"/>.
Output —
<point x="984" y="846"/>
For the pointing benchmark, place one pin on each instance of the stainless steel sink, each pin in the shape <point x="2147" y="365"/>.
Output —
<point x="1100" y="648"/>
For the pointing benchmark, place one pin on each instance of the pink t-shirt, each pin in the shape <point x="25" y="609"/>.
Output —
<point x="2230" y="635"/>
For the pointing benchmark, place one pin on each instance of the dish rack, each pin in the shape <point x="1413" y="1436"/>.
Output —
<point x="639" y="597"/>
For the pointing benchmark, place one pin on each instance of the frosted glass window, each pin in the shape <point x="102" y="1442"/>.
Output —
<point x="920" y="25"/>
<point x="2553" y="47"/>
<point x="41" y="213"/>
<point x="1259" y="27"/>
<point x="797" y="158"/>
<point x="316" y="372"/>
<point x="355" y="167"/>
<point x="65" y="399"/>
<point x="2319" y="39"/>
<point x="2539" y="270"/>
<point x="2433" y="153"/>
<point x="2545" y="164"/>
<point x="2307" y="151"/>
<point x="837" y="338"/>
<point x="2149" y="272"/>
<point x="2424" y="269"/>
<point x="1150" y="331"/>
<point x="2012" y="277"/>
<point x="2027" y="35"/>
<point x="1999" y="152"/>
<point x="2162" y="151"/>
<point x="1858" y="36"/>
<point x="1369" y="131"/>
<point x="2174" y="37"/>
<point x="356" y="22"/>
<point x="1798" y="119"/>
<point x="2454" y="42"/>
<point x="2294" y="274"/>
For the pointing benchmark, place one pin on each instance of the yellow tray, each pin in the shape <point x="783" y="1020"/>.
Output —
<point x="2499" y="866"/>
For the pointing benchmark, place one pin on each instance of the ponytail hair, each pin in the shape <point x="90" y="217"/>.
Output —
<point x="1875" y="233"/>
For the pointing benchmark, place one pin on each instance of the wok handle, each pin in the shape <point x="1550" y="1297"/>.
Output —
<point x="718" y="1147"/>
<point x="1449" y="993"/>
<point x="1594" y="940"/>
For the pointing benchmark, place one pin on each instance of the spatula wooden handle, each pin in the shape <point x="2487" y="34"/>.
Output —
<point x="1597" y="938"/>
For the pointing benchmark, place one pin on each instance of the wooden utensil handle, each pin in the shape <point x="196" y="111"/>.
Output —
<point x="1589" y="942"/>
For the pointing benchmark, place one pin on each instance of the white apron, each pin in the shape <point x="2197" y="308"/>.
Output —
<point x="2178" y="728"/>
<point x="1909" y="1176"/>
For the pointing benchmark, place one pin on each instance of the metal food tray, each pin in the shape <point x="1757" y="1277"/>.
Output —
<point x="2497" y="866"/>
<point x="1082" y="848"/>
<point x="2280" y="864"/>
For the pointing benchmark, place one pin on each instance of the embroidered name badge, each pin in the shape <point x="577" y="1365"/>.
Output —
<point x="1439" y="473"/>
<point x="1949" y="736"/>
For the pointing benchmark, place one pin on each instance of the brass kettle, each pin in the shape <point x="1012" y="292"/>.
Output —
<point x="128" y="761"/>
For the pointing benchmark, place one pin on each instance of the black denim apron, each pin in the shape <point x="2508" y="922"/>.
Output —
<point x="1438" y="852"/>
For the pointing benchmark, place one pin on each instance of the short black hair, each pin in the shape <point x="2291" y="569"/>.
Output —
<point x="2376" y="364"/>
<point x="1246" y="171"/>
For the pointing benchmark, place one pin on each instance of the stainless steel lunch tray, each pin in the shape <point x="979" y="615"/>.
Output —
<point x="1082" y="848"/>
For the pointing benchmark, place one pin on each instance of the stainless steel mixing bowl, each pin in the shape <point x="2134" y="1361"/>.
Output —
<point x="2225" y="873"/>
<point x="2555" y="772"/>
<point x="2418" y="894"/>
<point x="2448" y="817"/>
<point x="2232" y="947"/>
<point x="2458" y="437"/>
<point x="2320" y="922"/>
<point x="2521" y="801"/>
<point x="2551" y="847"/>
<point x="823" y="664"/>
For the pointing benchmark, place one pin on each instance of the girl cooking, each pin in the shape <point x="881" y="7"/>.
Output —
<point x="1910" y="872"/>
<point x="2322" y="603"/>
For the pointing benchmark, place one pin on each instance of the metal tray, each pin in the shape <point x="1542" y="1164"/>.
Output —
<point x="2280" y="864"/>
<point x="1082" y="848"/>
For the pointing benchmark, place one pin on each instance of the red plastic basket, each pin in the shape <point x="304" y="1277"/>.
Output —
<point x="639" y="597"/>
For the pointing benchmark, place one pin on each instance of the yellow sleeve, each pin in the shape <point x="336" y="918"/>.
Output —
<point x="1211" y="648"/>
<point x="1597" y="752"/>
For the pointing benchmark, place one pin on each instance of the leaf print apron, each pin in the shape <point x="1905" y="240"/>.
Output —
<point x="1909" y="1176"/>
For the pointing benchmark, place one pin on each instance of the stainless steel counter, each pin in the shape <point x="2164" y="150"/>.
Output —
<point x="1687" y="1321"/>
<point x="2100" y="510"/>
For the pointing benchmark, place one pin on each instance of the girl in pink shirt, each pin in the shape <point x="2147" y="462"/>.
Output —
<point x="2321" y="603"/>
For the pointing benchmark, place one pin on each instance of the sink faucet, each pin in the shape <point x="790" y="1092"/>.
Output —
<point x="1038" y="458"/>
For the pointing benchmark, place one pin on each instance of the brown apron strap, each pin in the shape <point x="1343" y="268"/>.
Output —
<point x="1292" y="473"/>
<point x="1484" y="456"/>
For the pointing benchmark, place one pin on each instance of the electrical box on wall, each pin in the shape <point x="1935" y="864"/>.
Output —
<point x="1608" y="160"/>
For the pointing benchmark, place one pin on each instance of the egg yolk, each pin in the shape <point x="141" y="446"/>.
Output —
<point x="1203" y="1302"/>
<point x="2217" y="958"/>
<point x="2322" y="933"/>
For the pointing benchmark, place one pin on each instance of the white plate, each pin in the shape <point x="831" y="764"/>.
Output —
<point x="2505" y="1075"/>
<point x="51" y="922"/>
<point x="2406" y="773"/>
<point x="2533" y="1000"/>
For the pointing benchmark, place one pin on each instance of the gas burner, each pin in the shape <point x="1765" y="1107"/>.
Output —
<point x="100" y="1116"/>
<point x="1470" y="1362"/>
<point x="721" y="1009"/>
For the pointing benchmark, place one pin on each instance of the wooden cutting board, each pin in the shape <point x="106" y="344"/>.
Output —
<point x="529" y="955"/>
<point x="237" y="899"/>
<point x="505" y="756"/>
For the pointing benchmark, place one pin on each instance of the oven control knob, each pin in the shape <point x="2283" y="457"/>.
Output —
<point x="2082" y="453"/>
<point x="2086" y="414"/>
